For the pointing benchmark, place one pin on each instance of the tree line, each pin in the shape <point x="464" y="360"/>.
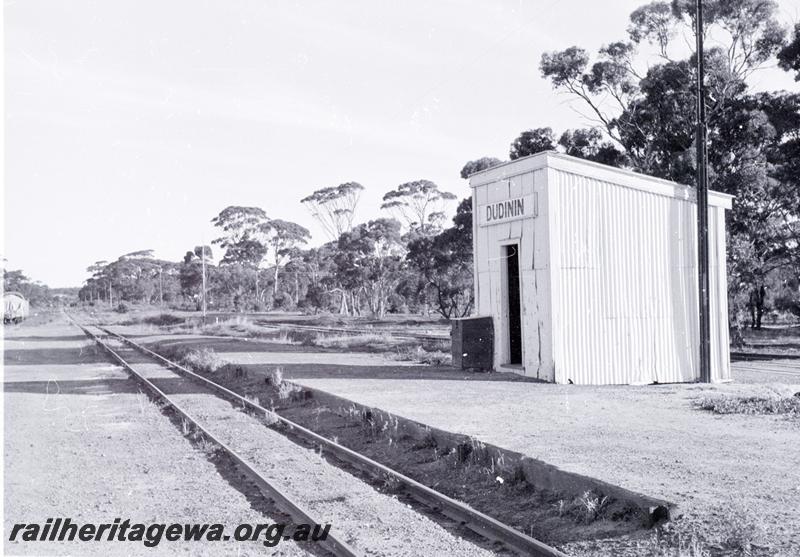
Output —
<point x="36" y="292"/>
<point x="640" y="119"/>
<point x="409" y="261"/>
<point x="645" y="121"/>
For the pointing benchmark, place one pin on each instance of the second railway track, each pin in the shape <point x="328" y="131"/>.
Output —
<point x="295" y="477"/>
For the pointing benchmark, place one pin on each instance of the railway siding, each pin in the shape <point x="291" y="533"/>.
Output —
<point x="555" y="486"/>
<point x="81" y="441"/>
<point x="371" y="522"/>
<point x="648" y="439"/>
<point x="463" y="515"/>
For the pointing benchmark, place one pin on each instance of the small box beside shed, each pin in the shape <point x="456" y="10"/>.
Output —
<point x="472" y="343"/>
<point x="589" y="272"/>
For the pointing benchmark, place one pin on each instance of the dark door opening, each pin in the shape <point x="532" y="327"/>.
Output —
<point x="514" y="313"/>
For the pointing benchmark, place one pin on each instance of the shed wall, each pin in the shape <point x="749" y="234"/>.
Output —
<point x="532" y="236"/>
<point x="608" y="276"/>
<point x="626" y="265"/>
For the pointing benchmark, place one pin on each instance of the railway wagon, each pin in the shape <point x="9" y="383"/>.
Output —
<point x="15" y="307"/>
<point x="589" y="272"/>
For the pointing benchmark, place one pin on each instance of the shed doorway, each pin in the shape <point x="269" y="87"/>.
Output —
<point x="513" y="312"/>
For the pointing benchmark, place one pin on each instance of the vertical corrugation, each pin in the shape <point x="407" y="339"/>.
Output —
<point x="628" y="284"/>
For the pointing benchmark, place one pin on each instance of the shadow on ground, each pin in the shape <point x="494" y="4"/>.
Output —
<point x="70" y="338"/>
<point x="53" y="356"/>
<point x="336" y="371"/>
<point x="99" y="386"/>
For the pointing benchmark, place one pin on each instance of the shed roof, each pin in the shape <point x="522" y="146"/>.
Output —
<point x="598" y="171"/>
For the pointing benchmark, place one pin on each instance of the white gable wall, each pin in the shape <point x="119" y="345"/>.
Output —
<point x="531" y="234"/>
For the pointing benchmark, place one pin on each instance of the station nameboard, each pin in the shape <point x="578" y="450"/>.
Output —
<point x="507" y="210"/>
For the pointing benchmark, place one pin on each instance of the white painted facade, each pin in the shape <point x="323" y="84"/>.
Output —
<point x="608" y="271"/>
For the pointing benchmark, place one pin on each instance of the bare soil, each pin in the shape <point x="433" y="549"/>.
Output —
<point x="772" y="339"/>
<point x="728" y="474"/>
<point x="766" y="371"/>
<point x="734" y="477"/>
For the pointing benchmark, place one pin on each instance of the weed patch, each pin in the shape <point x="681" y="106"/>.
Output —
<point x="163" y="320"/>
<point x="586" y="508"/>
<point x="419" y="354"/>
<point x="741" y="533"/>
<point x="754" y="405"/>
<point x="203" y="359"/>
<point x="360" y="342"/>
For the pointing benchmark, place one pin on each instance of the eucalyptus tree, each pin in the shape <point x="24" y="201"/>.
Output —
<point x="471" y="167"/>
<point x="37" y="293"/>
<point x="368" y="261"/>
<point x="648" y="115"/>
<point x="789" y="56"/>
<point x="590" y="144"/>
<point x="284" y="237"/>
<point x="334" y="207"/>
<point x="98" y="280"/>
<point x="443" y="265"/>
<point x="244" y="239"/>
<point x="191" y="275"/>
<point x="531" y="142"/>
<point x="420" y="204"/>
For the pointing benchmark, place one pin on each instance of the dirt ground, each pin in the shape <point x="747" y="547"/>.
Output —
<point x="82" y="442"/>
<point x="775" y="339"/>
<point x="731" y="476"/>
<point x="770" y="371"/>
<point x="648" y="439"/>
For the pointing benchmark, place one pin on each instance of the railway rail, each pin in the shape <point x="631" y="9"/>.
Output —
<point x="758" y="356"/>
<point x="294" y="510"/>
<point x="480" y="523"/>
<point x="767" y="364"/>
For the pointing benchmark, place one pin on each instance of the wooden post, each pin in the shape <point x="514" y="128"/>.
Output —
<point x="203" y="257"/>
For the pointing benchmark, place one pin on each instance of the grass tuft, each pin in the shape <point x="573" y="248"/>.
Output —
<point x="207" y="446"/>
<point x="586" y="508"/>
<point x="275" y="377"/>
<point x="753" y="405"/>
<point x="204" y="359"/>
<point x="198" y="359"/>
<point x="740" y="533"/>
<point x="163" y="320"/>
<point x="419" y="354"/>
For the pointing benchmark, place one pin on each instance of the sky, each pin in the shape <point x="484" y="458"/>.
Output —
<point x="130" y="124"/>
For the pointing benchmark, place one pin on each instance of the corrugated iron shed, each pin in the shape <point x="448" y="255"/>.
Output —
<point x="607" y="267"/>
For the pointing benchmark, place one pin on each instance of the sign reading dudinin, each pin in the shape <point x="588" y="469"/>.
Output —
<point x="507" y="210"/>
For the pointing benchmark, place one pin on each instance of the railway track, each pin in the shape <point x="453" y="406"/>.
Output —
<point x="747" y="356"/>
<point x="773" y="365"/>
<point x="268" y="488"/>
<point x="455" y="511"/>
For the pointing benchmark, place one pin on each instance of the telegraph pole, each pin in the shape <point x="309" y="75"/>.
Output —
<point x="702" y="208"/>
<point x="203" y="257"/>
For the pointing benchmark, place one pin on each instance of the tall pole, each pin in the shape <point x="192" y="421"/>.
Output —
<point x="203" y="257"/>
<point x="702" y="207"/>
